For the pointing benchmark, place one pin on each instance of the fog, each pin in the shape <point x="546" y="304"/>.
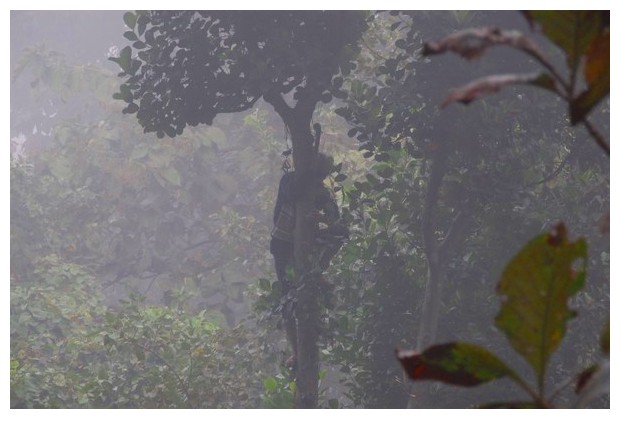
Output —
<point x="142" y="267"/>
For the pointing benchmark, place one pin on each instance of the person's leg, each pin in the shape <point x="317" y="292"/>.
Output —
<point x="283" y="255"/>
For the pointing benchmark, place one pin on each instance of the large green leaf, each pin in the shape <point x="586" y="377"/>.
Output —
<point x="535" y="288"/>
<point x="572" y="30"/>
<point x="455" y="363"/>
<point x="581" y="35"/>
<point x="130" y="19"/>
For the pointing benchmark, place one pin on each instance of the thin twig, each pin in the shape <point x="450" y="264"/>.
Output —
<point x="180" y="380"/>
<point x="553" y="174"/>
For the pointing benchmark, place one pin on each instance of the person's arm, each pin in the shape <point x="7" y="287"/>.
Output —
<point x="284" y="194"/>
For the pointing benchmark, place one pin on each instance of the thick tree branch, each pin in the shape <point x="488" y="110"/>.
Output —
<point x="237" y="108"/>
<point x="279" y="105"/>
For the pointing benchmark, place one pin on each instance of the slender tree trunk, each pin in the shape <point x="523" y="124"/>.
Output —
<point x="433" y="289"/>
<point x="298" y="120"/>
<point x="419" y="392"/>
<point x="307" y="311"/>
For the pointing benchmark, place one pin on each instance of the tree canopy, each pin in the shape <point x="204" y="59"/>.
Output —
<point x="185" y="67"/>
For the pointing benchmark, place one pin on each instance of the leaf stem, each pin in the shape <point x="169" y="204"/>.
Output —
<point x="535" y="396"/>
<point x="596" y="135"/>
<point x="561" y="387"/>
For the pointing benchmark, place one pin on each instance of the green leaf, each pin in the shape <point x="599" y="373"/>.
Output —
<point x="326" y="97"/>
<point x="139" y="152"/>
<point x="385" y="171"/>
<point x="142" y="21"/>
<point x="216" y="135"/>
<point x="130" y="19"/>
<point x="172" y="175"/>
<point x="401" y="43"/>
<point x="572" y="30"/>
<point x="130" y="35"/>
<point x="125" y="94"/>
<point x="460" y="364"/>
<point x="59" y="380"/>
<point x="382" y="157"/>
<point x="333" y="403"/>
<point x="271" y="384"/>
<point x="124" y="58"/>
<point x="131" y="108"/>
<point x="139" y="352"/>
<point x="535" y="288"/>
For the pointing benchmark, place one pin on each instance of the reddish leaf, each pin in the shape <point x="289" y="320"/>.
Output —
<point x="584" y="377"/>
<point x="455" y="363"/>
<point x="472" y="43"/>
<point x="597" y="77"/>
<point x="492" y="84"/>
<point x="597" y="60"/>
<point x="593" y="383"/>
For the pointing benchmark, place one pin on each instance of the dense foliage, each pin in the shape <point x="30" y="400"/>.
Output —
<point x="539" y="281"/>
<point x="190" y="66"/>
<point x="140" y="272"/>
<point x="100" y="215"/>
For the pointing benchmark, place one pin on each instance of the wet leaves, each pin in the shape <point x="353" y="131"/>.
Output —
<point x="460" y="364"/>
<point x="535" y="288"/>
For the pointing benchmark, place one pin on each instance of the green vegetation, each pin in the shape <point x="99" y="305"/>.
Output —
<point x="140" y="267"/>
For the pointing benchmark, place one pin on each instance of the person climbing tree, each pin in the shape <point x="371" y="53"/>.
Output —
<point x="330" y="233"/>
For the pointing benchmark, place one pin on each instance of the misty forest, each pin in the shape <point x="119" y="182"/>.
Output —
<point x="310" y="209"/>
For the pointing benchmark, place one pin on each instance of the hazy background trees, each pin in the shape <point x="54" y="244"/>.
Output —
<point x="140" y="272"/>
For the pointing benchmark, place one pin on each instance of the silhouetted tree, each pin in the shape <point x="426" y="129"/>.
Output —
<point x="185" y="67"/>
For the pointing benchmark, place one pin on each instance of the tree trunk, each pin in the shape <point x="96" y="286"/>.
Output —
<point x="307" y="311"/>
<point x="298" y="120"/>
<point x="429" y="319"/>
<point x="432" y="291"/>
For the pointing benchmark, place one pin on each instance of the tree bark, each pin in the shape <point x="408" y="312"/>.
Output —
<point x="298" y="120"/>
<point x="307" y="311"/>
<point x="433" y="289"/>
